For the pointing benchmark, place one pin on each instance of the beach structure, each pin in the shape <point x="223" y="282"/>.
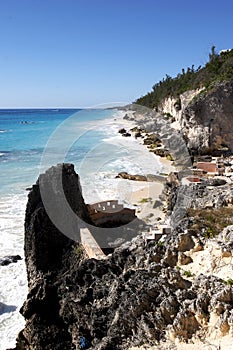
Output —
<point x="109" y="206"/>
<point x="90" y="245"/>
<point x="216" y="167"/>
<point x="110" y="214"/>
<point x="209" y="167"/>
<point x="157" y="233"/>
<point x="191" y="180"/>
<point x="152" y="235"/>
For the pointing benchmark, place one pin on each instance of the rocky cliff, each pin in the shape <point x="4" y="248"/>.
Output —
<point x="204" y="117"/>
<point x="141" y="294"/>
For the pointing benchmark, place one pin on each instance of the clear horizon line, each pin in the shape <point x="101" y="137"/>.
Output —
<point x="101" y="106"/>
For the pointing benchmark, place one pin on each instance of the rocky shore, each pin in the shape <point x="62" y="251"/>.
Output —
<point x="145" y="293"/>
<point x="170" y="291"/>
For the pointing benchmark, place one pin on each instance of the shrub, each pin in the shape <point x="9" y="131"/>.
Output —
<point x="145" y="200"/>
<point x="211" y="221"/>
<point x="229" y="282"/>
<point x="78" y="249"/>
<point x="188" y="273"/>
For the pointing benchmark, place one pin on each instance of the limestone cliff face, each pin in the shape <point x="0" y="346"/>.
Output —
<point x="176" y="106"/>
<point x="214" y="113"/>
<point x="204" y="118"/>
<point x="136" y="296"/>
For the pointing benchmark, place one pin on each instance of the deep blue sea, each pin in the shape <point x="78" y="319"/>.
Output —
<point x="31" y="140"/>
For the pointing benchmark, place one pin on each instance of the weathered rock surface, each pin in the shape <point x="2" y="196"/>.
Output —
<point x="44" y="243"/>
<point x="212" y="194"/>
<point x="204" y="118"/>
<point x="136" y="296"/>
<point x="211" y="113"/>
<point x="201" y="116"/>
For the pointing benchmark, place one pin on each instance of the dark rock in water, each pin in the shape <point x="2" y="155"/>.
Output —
<point x="125" y="175"/>
<point x="6" y="260"/>
<point x="126" y="134"/>
<point x="122" y="131"/>
<point x="102" y="302"/>
<point x="6" y="308"/>
<point x="137" y="134"/>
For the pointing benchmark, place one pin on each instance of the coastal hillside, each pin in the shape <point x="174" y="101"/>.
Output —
<point x="218" y="69"/>
<point x="198" y="102"/>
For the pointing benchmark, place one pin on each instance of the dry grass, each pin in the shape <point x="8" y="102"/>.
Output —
<point x="211" y="221"/>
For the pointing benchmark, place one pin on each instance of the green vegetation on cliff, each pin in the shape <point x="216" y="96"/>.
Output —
<point x="218" y="68"/>
<point x="210" y="221"/>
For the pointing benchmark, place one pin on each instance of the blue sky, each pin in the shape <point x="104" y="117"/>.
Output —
<point x="79" y="53"/>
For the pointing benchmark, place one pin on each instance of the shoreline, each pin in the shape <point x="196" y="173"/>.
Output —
<point x="136" y="193"/>
<point x="146" y="194"/>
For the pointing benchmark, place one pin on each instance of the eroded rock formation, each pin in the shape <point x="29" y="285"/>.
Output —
<point x="137" y="296"/>
<point x="204" y="117"/>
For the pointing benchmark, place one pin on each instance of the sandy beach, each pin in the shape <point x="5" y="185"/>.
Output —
<point x="145" y="195"/>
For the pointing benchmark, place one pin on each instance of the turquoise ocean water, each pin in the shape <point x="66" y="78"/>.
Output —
<point x="25" y="133"/>
<point x="31" y="140"/>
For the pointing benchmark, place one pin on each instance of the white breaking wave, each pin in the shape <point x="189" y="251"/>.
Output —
<point x="13" y="281"/>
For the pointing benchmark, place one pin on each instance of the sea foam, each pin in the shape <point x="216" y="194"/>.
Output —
<point x="13" y="282"/>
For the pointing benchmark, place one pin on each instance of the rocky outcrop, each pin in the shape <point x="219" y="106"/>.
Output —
<point x="49" y="223"/>
<point x="136" y="296"/>
<point x="137" y="177"/>
<point x="211" y="113"/>
<point x="6" y="260"/>
<point x="158" y="126"/>
<point x="204" y="117"/>
<point x="175" y="107"/>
